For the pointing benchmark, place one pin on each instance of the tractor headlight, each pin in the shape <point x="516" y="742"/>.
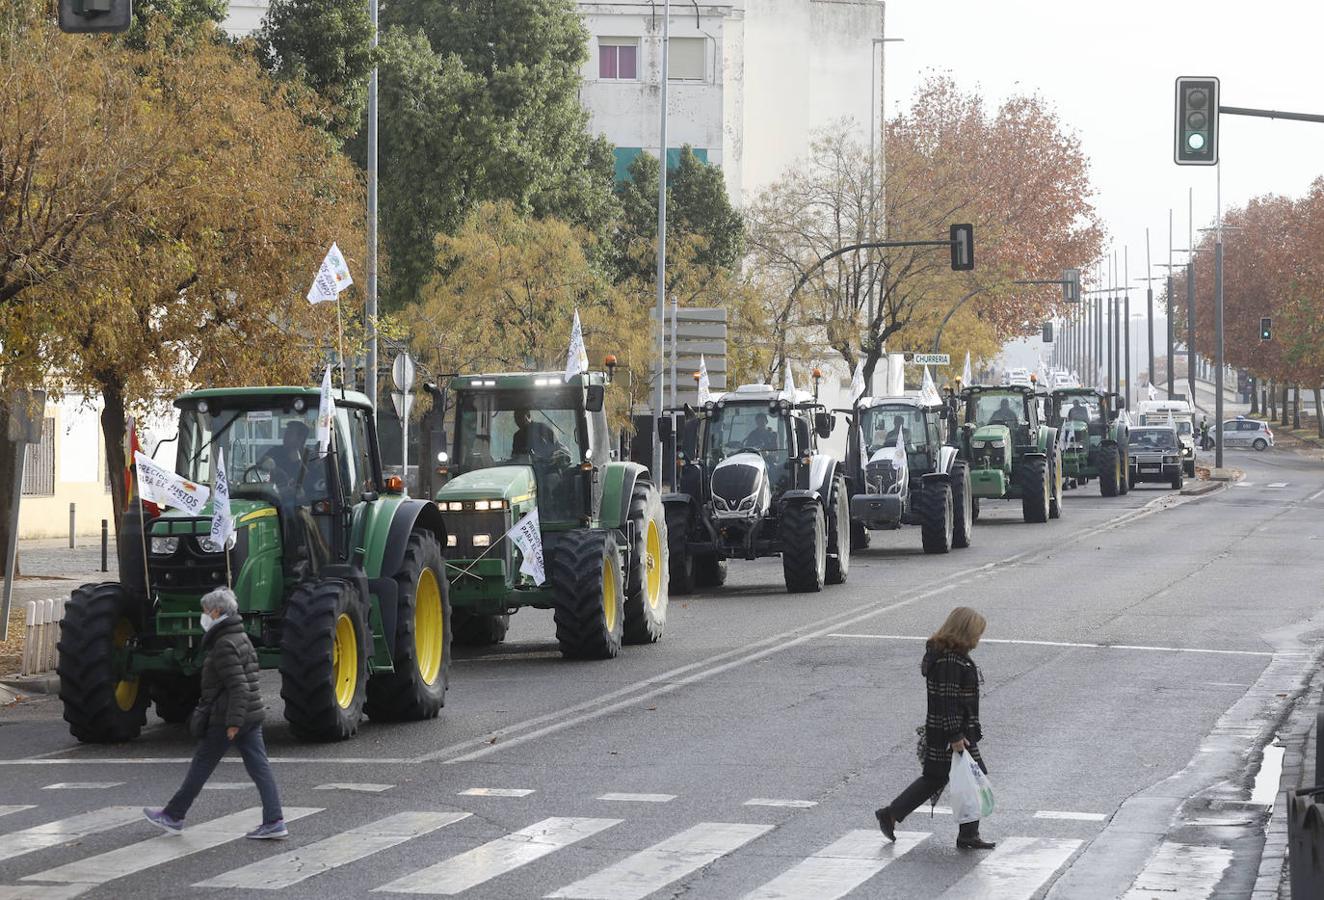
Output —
<point x="719" y="502"/>
<point x="979" y="445"/>
<point x="455" y="506"/>
<point x="997" y="445"/>
<point x="452" y="541"/>
<point x="208" y="545"/>
<point x="482" y="540"/>
<point x="747" y="503"/>
<point x="164" y="546"/>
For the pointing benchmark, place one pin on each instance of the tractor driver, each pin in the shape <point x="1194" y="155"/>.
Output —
<point x="285" y="464"/>
<point x="1078" y="412"/>
<point x="532" y="438"/>
<point x="898" y="430"/>
<point x="762" y="437"/>
<point x="1004" y="415"/>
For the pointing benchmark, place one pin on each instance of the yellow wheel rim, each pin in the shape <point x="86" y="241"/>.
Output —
<point x="429" y="626"/>
<point x="653" y="564"/>
<point x="345" y="661"/>
<point x="609" y="593"/>
<point x="126" y="691"/>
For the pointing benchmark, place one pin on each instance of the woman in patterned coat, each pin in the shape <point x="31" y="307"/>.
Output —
<point x="952" y="723"/>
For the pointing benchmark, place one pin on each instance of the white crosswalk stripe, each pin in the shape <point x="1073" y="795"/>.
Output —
<point x="840" y="867"/>
<point x="642" y="873"/>
<point x="340" y="849"/>
<point x="156" y="851"/>
<point x="64" y="831"/>
<point x="82" y="785"/>
<point x="43" y="891"/>
<point x="1017" y="868"/>
<point x="16" y="808"/>
<point x="505" y="854"/>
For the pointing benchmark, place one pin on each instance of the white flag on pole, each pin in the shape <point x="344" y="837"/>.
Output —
<point x="222" y="523"/>
<point x="788" y="384"/>
<point x="332" y="277"/>
<point x="857" y="382"/>
<point x="576" y="357"/>
<point x="326" y="413"/>
<point x="896" y="375"/>
<point x="165" y="488"/>
<point x="966" y="375"/>
<point x="527" y="535"/>
<point x="928" y="390"/>
<point x="899" y="454"/>
<point x="1153" y="394"/>
<point x="705" y="387"/>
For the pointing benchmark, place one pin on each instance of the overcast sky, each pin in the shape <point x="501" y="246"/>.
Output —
<point x="1109" y="70"/>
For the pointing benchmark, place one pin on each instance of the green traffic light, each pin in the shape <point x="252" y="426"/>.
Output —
<point x="1195" y="141"/>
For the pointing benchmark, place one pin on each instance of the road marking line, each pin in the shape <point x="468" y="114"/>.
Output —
<point x="1181" y="870"/>
<point x="281" y="871"/>
<point x="157" y="851"/>
<point x="81" y="785"/>
<point x="642" y="873"/>
<point x="1277" y="484"/>
<point x="43" y="891"/>
<point x="75" y="828"/>
<point x="185" y="760"/>
<point x="840" y="867"/>
<point x="16" y="808"/>
<point x="496" y="792"/>
<point x="793" y="804"/>
<point x="1315" y="496"/>
<point x="1243" y="484"/>
<point x="227" y="785"/>
<point x="913" y="637"/>
<point x="498" y="857"/>
<point x="1070" y="816"/>
<point x="366" y="788"/>
<point x="639" y="798"/>
<point x="1017" y="868"/>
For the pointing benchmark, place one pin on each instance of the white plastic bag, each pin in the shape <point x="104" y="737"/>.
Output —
<point x="972" y="793"/>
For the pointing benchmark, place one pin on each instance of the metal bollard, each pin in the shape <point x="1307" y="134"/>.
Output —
<point x="71" y="526"/>
<point x="29" y="637"/>
<point x="105" y="543"/>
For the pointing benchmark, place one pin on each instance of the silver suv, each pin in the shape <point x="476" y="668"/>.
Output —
<point x="1244" y="432"/>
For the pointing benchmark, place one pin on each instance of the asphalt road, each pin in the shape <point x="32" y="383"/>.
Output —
<point x="1140" y="653"/>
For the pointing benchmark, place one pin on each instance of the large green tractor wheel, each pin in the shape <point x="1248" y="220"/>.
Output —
<point x="804" y="546"/>
<point x="646" y="583"/>
<point x="1036" y="491"/>
<point x="586" y="581"/>
<point x="963" y="506"/>
<point x="1110" y="470"/>
<point x="934" y="507"/>
<point x="1055" y="485"/>
<point x="176" y="695"/>
<point x="100" y="706"/>
<point x="680" y="562"/>
<point x="478" y="629"/>
<point x="838" y="548"/>
<point x="422" y="651"/>
<point x="324" y="660"/>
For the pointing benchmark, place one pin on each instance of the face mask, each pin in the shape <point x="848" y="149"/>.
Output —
<point x="207" y="621"/>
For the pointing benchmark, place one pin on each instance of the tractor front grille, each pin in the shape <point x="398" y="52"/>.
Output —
<point x="191" y="569"/>
<point x="463" y="527"/>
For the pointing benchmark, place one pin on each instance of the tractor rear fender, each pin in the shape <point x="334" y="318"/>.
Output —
<point x="618" y="482"/>
<point x="936" y="478"/>
<point x="386" y="538"/>
<point x="1047" y="437"/>
<point x="822" y="472"/>
<point x="946" y="458"/>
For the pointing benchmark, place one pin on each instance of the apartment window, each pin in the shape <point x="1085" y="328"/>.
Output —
<point x="39" y="463"/>
<point x="686" y="60"/>
<point x="618" y="59"/>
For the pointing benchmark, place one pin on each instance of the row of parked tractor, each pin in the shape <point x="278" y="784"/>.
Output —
<point x="355" y="592"/>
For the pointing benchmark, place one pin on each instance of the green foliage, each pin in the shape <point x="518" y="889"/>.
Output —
<point x="183" y="16"/>
<point x="697" y="205"/>
<point x="480" y="101"/>
<point x="326" y="45"/>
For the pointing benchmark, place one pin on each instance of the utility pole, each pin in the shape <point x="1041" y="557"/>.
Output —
<point x="370" y="304"/>
<point x="1190" y="298"/>
<point x="1149" y="306"/>
<point x="1168" y="301"/>
<point x="1126" y="322"/>
<point x="661" y="246"/>
<point x="1218" y="318"/>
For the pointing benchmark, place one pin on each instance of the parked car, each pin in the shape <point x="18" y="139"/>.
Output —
<point x="1244" y="432"/>
<point x="1155" y="455"/>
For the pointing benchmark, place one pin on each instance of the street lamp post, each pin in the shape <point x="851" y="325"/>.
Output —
<point x="661" y="245"/>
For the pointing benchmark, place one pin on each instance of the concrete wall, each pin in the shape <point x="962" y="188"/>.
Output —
<point x="245" y="16"/>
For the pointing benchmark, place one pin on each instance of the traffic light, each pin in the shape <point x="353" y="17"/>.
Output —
<point x="1266" y="328"/>
<point x="82" y="16"/>
<point x="1197" y="122"/>
<point x="963" y="247"/>
<point x="1048" y="332"/>
<point x="1071" y="285"/>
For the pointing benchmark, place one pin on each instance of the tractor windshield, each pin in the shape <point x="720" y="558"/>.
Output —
<point x="882" y="423"/>
<point x="542" y="426"/>
<point x="1080" y="408"/>
<point x="997" y="408"/>
<point x="747" y="426"/>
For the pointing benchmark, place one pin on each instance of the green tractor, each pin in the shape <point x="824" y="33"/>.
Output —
<point x="1012" y="455"/>
<point x="534" y="442"/>
<point x="340" y="578"/>
<point x="1096" y="440"/>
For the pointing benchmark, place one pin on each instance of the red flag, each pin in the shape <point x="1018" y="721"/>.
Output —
<point x="132" y="446"/>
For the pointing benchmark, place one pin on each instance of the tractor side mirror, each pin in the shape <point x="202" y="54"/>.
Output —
<point x="664" y="427"/>
<point x="824" y="423"/>
<point x="594" y="396"/>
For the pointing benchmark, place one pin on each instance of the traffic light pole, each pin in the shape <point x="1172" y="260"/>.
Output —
<point x="1218" y="321"/>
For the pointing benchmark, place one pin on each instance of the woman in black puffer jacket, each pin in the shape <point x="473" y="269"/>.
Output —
<point x="952" y="723"/>
<point x="230" y="692"/>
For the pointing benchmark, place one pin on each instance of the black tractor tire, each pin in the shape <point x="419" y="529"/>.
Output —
<point x="1035" y="489"/>
<point x="974" y="509"/>
<point x="1110" y="471"/>
<point x="963" y="513"/>
<point x="933" y="504"/>
<point x="680" y="562"/>
<point x="838" y="523"/>
<point x="322" y="684"/>
<point x="709" y="570"/>
<point x="478" y="629"/>
<point x="589" y="591"/>
<point x="859" y="536"/>
<point x="100" y="708"/>
<point x="421" y="655"/>
<point x="176" y="695"/>
<point x="1055" y="486"/>
<point x="646" y="582"/>
<point x="804" y="546"/>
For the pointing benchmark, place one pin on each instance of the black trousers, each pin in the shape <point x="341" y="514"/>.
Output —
<point x="924" y="787"/>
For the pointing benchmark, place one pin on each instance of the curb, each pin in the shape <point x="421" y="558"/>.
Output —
<point x="48" y="683"/>
<point x="1201" y="487"/>
<point x="1298" y="737"/>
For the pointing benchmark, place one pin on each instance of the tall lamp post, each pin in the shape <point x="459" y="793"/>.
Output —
<point x="661" y="246"/>
<point x="370" y="304"/>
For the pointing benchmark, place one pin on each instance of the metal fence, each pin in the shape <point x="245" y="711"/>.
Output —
<point x="39" y="463"/>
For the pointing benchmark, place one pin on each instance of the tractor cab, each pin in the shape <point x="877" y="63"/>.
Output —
<point x="1008" y="415"/>
<point x="1084" y="414"/>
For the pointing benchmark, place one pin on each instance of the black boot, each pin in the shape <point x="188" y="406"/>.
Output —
<point x="886" y="824"/>
<point x="968" y="838"/>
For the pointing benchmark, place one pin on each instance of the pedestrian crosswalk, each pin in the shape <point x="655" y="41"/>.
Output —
<point x="108" y="847"/>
